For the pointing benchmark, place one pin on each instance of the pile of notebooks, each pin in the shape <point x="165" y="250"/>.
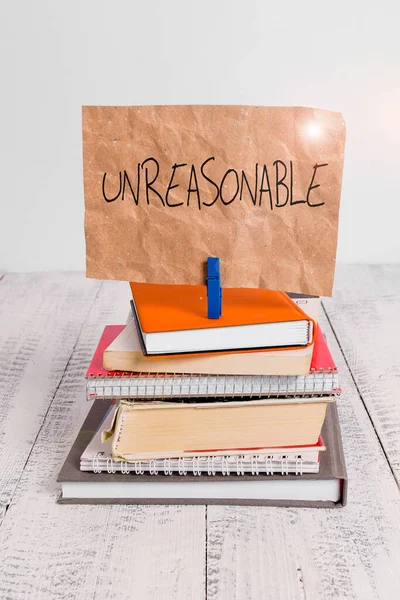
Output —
<point x="235" y="410"/>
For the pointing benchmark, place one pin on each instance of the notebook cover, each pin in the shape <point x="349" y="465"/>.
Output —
<point x="321" y="358"/>
<point x="332" y="464"/>
<point x="211" y="352"/>
<point x="163" y="308"/>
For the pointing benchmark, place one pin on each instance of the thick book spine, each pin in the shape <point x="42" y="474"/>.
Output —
<point x="154" y="386"/>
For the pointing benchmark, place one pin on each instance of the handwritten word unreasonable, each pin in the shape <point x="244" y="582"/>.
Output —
<point x="272" y="186"/>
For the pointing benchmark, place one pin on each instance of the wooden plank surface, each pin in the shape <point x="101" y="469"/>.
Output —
<point x="41" y="317"/>
<point x="59" y="552"/>
<point x="96" y="552"/>
<point x="316" y="554"/>
<point x="365" y="314"/>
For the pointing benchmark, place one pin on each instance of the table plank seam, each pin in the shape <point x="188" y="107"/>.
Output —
<point x="206" y="552"/>
<point x="50" y="404"/>
<point x="300" y="579"/>
<point x="361" y="397"/>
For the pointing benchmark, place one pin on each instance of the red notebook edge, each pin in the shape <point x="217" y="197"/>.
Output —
<point x="321" y="358"/>
<point x="96" y="369"/>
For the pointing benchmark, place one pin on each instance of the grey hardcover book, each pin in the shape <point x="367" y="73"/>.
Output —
<point x="326" y="489"/>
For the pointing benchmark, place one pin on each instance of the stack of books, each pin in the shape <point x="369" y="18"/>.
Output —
<point x="235" y="410"/>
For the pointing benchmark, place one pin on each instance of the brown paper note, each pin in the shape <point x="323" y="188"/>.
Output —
<point x="168" y="186"/>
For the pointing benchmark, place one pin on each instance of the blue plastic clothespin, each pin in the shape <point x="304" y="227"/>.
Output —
<point x="214" y="290"/>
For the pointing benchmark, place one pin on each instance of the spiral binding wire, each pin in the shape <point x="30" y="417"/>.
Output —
<point x="201" y="465"/>
<point x="154" y="386"/>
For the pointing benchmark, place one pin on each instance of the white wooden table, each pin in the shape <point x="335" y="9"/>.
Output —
<point x="49" y="327"/>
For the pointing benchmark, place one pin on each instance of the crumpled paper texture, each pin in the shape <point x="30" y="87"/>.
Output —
<point x="291" y="247"/>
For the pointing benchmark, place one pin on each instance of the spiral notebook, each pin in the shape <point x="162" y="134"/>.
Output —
<point x="322" y="378"/>
<point x="325" y="489"/>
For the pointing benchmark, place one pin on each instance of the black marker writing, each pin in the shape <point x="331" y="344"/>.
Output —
<point x="222" y="185"/>
<point x="278" y="181"/>
<point x="149" y="184"/>
<point x="313" y="187"/>
<point x="172" y="187"/>
<point x="244" y="180"/>
<point x="104" y="188"/>
<point x="267" y="189"/>
<point x="209" y="181"/>
<point x="127" y="181"/>
<point x="195" y="189"/>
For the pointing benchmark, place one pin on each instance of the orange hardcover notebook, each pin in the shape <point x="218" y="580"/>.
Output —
<point x="162" y="309"/>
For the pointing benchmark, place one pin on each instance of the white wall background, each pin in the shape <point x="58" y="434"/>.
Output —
<point x="57" y="55"/>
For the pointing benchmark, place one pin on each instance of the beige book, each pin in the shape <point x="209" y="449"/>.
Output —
<point x="125" y="354"/>
<point x="155" y="430"/>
